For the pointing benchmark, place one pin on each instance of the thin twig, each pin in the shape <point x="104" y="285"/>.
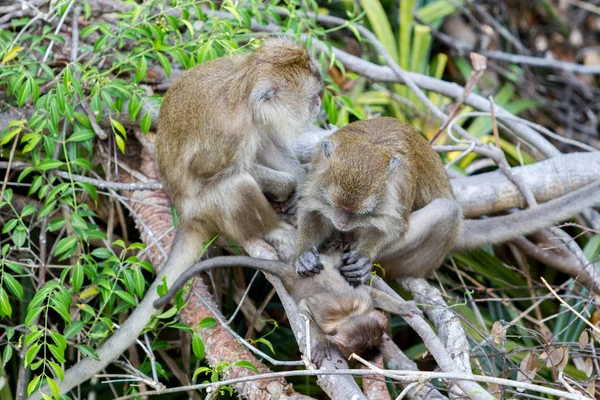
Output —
<point x="56" y="31"/>
<point x="400" y="375"/>
<point x="75" y="33"/>
<point x="8" y="165"/>
<point x="242" y="340"/>
<point x="479" y="67"/>
<point x="564" y="303"/>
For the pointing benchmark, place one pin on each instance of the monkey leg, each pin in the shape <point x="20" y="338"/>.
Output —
<point x="237" y="208"/>
<point x="432" y="233"/>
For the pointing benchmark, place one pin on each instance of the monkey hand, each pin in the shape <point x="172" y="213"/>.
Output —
<point x="320" y="352"/>
<point x="356" y="268"/>
<point x="308" y="264"/>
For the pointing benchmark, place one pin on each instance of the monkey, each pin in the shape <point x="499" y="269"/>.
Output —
<point x="343" y="316"/>
<point x="380" y="182"/>
<point x="223" y="146"/>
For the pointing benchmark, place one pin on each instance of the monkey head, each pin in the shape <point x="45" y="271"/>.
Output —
<point x="356" y="328"/>
<point x="353" y="180"/>
<point x="285" y="92"/>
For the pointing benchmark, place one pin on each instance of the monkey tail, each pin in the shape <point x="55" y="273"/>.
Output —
<point x="277" y="268"/>
<point x="476" y="233"/>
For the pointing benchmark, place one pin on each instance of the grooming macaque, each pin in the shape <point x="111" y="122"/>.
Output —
<point x="342" y="315"/>
<point x="380" y="181"/>
<point x="223" y="139"/>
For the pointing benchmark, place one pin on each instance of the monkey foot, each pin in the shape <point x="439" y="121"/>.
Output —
<point x="357" y="268"/>
<point x="409" y="309"/>
<point x="308" y="263"/>
<point x="321" y="352"/>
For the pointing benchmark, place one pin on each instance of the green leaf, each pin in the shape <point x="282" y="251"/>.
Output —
<point x="88" y="30"/>
<point x="32" y="352"/>
<point x="81" y="134"/>
<point x="58" y="371"/>
<point x="141" y="70"/>
<point x="167" y="314"/>
<point x="88" y="351"/>
<point x="10" y="225"/>
<point x="197" y="346"/>
<point x="59" y="340"/>
<point x="47" y="209"/>
<point x="53" y="387"/>
<point x="146" y="122"/>
<point x="162" y="289"/>
<point x="166" y="64"/>
<point x="126" y="296"/>
<point x="118" y="126"/>
<point x="57" y="352"/>
<point x="266" y="343"/>
<point x="120" y="143"/>
<point x="13" y="285"/>
<point x="102" y="253"/>
<point x="207" y="323"/>
<point x="32" y="314"/>
<point x="33" y="384"/>
<point x="246" y="364"/>
<point x="5" y="308"/>
<point x="198" y="371"/>
<point x="49" y="164"/>
<point x="24" y="92"/>
<point x="6" y="354"/>
<point x="139" y="282"/>
<point x="64" y="245"/>
<point x="19" y="235"/>
<point x="33" y="337"/>
<point x="73" y="329"/>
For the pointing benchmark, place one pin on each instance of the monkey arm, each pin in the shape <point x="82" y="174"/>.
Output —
<point x="276" y="268"/>
<point x="312" y="230"/>
<point x="476" y="233"/>
<point x="277" y="185"/>
<point x="358" y="263"/>
<point x="321" y="347"/>
<point x="385" y="302"/>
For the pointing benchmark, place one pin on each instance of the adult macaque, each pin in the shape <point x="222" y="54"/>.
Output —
<point x="342" y="315"/>
<point x="380" y="181"/>
<point x="223" y="139"/>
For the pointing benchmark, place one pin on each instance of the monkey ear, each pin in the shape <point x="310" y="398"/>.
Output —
<point x="327" y="148"/>
<point x="394" y="163"/>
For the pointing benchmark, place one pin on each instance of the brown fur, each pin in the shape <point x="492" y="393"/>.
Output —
<point x="369" y="178"/>
<point x="223" y="139"/>
<point x="341" y="315"/>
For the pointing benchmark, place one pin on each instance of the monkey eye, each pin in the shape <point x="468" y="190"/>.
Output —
<point x="269" y="94"/>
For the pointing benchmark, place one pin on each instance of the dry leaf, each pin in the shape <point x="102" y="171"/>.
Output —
<point x="527" y="369"/>
<point x="589" y="367"/>
<point x="584" y="340"/>
<point x="494" y="390"/>
<point x="498" y="332"/>
<point x="558" y="357"/>
<point x="596" y="317"/>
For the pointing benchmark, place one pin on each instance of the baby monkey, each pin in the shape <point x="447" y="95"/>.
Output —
<point x="342" y="315"/>
<point x="380" y="181"/>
